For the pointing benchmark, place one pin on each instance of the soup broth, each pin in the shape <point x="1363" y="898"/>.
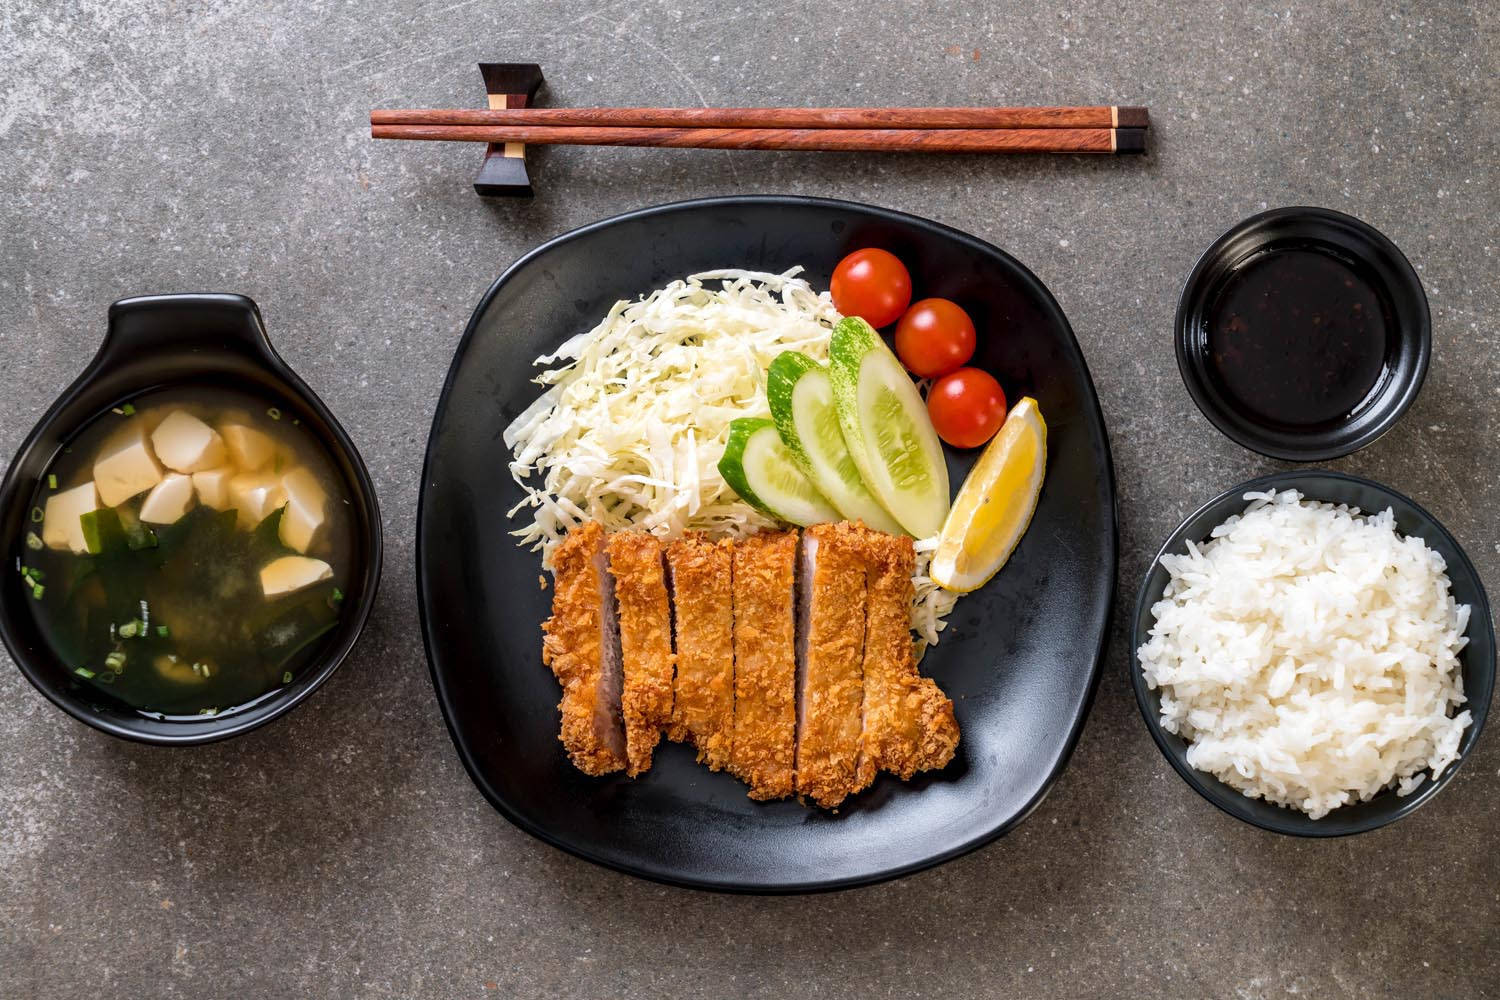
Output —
<point x="187" y="552"/>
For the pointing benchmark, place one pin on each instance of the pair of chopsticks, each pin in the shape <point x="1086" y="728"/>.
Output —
<point x="1091" y="129"/>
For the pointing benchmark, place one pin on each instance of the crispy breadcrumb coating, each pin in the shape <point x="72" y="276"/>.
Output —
<point x="699" y="575"/>
<point x="908" y="721"/>
<point x="802" y="684"/>
<point x="575" y="643"/>
<point x="765" y="708"/>
<point x="831" y="687"/>
<point x="635" y="562"/>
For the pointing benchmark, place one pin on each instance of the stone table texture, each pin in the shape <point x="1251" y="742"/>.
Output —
<point x="342" y="852"/>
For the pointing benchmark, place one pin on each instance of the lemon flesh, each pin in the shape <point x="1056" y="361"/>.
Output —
<point x="995" y="503"/>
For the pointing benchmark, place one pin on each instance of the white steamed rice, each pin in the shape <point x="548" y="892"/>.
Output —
<point x="1309" y="653"/>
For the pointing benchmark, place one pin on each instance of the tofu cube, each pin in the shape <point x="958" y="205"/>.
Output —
<point x="168" y="500"/>
<point x="61" y="528"/>
<point x="305" y="503"/>
<point x="255" y="495"/>
<point x="249" y="449"/>
<point x="292" y="573"/>
<point x="126" y="470"/>
<point x="186" y="444"/>
<point x="212" y="487"/>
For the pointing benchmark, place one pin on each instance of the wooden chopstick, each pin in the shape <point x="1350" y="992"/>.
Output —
<point x="1096" y="116"/>
<point x="936" y="140"/>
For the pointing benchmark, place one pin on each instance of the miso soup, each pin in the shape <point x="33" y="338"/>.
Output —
<point x="188" y="551"/>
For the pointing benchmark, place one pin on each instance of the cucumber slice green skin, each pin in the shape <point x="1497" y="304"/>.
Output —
<point x="800" y="394"/>
<point x="916" y="493"/>
<point x="760" y="468"/>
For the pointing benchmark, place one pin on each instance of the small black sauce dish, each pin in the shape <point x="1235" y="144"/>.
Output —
<point x="155" y="342"/>
<point x="1303" y="334"/>
<point x="1477" y="659"/>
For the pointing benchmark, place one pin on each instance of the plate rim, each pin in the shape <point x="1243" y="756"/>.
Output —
<point x="805" y="886"/>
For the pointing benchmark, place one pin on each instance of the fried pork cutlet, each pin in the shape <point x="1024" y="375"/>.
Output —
<point x="908" y="721"/>
<point x="763" y="751"/>
<point x="635" y="562"/>
<point x="581" y="643"/>
<point x="699" y="572"/>
<point x="830" y="655"/>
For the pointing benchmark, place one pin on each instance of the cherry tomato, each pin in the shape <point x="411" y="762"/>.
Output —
<point x="934" y="338"/>
<point x="967" y="407"/>
<point x="873" y="285"/>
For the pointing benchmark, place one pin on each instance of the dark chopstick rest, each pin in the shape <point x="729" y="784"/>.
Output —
<point x="509" y="86"/>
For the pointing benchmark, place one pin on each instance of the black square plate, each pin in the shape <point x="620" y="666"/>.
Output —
<point x="1020" y="658"/>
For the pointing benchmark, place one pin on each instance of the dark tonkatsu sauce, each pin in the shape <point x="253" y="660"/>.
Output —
<point x="1297" y="337"/>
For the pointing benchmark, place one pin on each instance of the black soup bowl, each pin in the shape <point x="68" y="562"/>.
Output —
<point x="1477" y="659"/>
<point x="156" y="342"/>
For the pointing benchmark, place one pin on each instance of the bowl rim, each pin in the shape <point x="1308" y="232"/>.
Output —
<point x="1230" y="800"/>
<point x="278" y="702"/>
<point x="1403" y="392"/>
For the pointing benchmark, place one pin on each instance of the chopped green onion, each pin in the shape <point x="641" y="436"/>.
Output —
<point x="106" y="678"/>
<point x="116" y="409"/>
<point x="83" y="672"/>
<point x="128" y="410"/>
<point x="296" y="422"/>
<point x="37" y="590"/>
<point x="37" y="514"/>
<point x="162" y="631"/>
<point x="273" y="413"/>
<point x="51" y="481"/>
<point x="33" y="541"/>
<point x="286" y="678"/>
<point x="131" y="629"/>
<point x="115" y="661"/>
<point x="32" y="573"/>
<point x="208" y="711"/>
<point x="338" y="595"/>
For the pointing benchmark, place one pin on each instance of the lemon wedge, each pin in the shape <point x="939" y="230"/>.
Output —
<point x="995" y="503"/>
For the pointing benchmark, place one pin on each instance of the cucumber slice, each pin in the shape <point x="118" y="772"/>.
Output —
<point x="801" y="398"/>
<point x="762" y="471"/>
<point x="887" y="429"/>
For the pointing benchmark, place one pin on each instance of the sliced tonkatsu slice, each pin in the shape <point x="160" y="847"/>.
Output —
<point x="699" y="575"/>
<point x="830" y="662"/>
<point x="639" y="570"/>
<point x="763" y="751"/>
<point x="908" y="721"/>
<point x="581" y="643"/>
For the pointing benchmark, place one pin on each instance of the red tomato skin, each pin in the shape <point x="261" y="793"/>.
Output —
<point x="872" y="284"/>
<point x="967" y="407"/>
<point x="934" y="337"/>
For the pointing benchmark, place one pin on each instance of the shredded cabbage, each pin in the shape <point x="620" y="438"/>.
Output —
<point x="633" y="421"/>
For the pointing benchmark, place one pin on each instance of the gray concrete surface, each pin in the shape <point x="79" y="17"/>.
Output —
<point x="342" y="852"/>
